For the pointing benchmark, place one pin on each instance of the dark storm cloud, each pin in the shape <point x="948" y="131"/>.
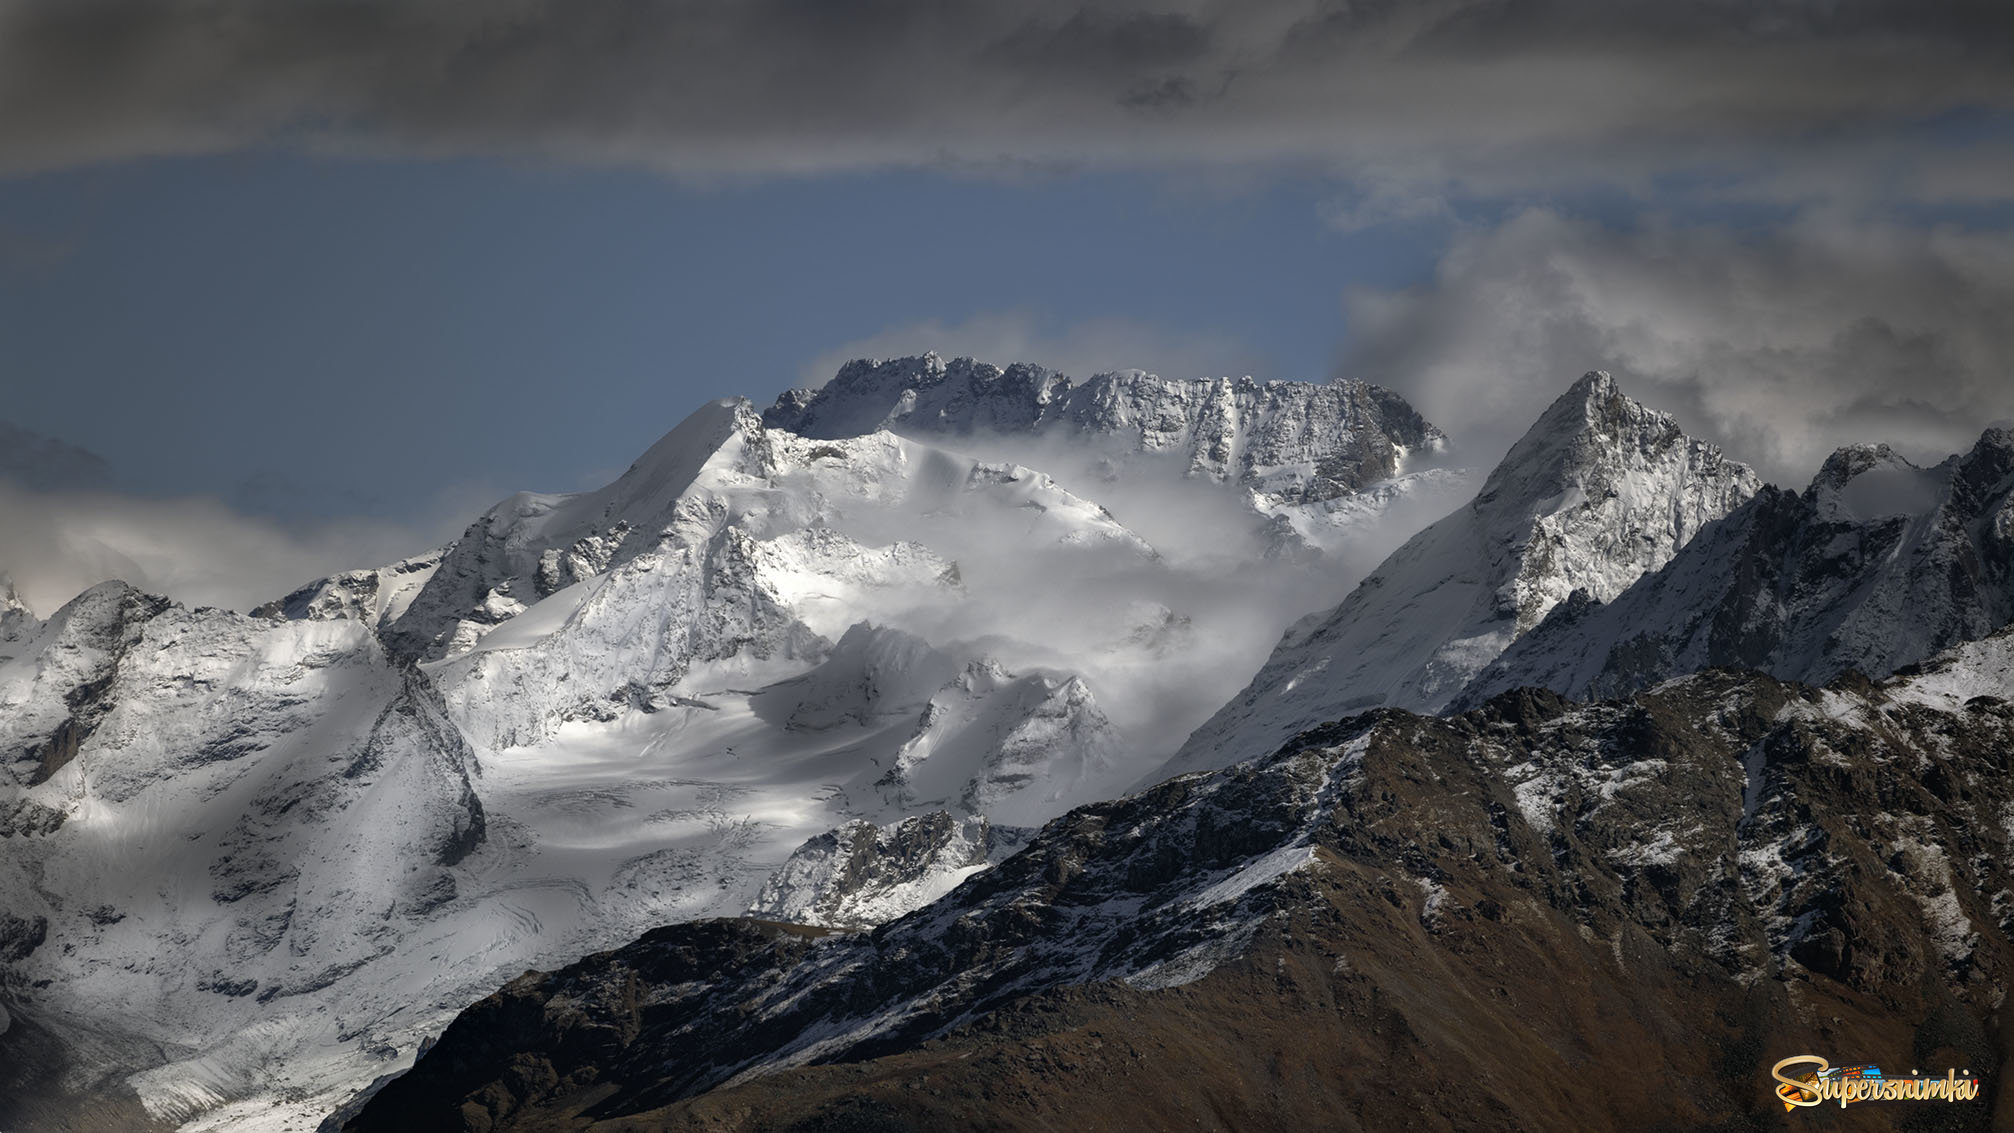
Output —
<point x="1485" y="93"/>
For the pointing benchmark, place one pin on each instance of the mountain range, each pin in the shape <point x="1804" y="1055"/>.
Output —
<point x="1618" y="764"/>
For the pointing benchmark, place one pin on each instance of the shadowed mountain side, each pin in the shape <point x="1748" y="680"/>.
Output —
<point x="1877" y="565"/>
<point x="1538" y="915"/>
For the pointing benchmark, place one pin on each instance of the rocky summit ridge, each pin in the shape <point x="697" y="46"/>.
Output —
<point x="1295" y="440"/>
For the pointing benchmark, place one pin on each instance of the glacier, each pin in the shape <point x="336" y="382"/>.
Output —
<point x="253" y="860"/>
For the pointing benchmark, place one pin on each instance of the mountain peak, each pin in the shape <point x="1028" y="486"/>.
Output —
<point x="1849" y="461"/>
<point x="1586" y="432"/>
<point x="1593" y="387"/>
<point x="1879" y="564"/>
<point x="922" y="391"/>
<point x="1600" y="491"/>
<point x="10" y="599"/>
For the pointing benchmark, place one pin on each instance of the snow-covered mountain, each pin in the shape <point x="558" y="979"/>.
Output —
<point x="1600" y="491"/>
<point x="1535" y="901"/>
<point x="225" y="840"/>
<point x="843" y="660"/>
<point x="1297" y="451"/>
<point x="251" y="860"/>
<point x="1877" y="565"/>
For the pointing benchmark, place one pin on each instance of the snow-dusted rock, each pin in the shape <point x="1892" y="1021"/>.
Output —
<point x="1878" y="564"/>
<point x="1007" y="744"/>
<point x="1598" y="492"/>
<point x="1287" y="440"/>
<point x="1724" y="863"/>
<point x="860" y="875"/>
<point x="376" y="597"/>
<point x="10" y="599"/>
<point x="229" y="826"/>
<point x="956" y="730"/>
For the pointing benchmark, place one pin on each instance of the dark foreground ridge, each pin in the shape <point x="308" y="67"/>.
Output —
<point x="1537" y="915"/>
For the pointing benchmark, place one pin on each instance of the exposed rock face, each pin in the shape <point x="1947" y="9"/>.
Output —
<point x="1878" y="564"/>
<point x="11" y="603"/>
<point x="1535" y="915"/>
<point x="1292" y="440"/>
<point x="1598" y="492"/>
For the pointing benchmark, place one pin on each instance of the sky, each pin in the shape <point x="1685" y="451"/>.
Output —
<point x="320" y="281"/>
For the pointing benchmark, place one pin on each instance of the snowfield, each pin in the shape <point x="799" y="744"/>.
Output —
<point x="253" y="861"/>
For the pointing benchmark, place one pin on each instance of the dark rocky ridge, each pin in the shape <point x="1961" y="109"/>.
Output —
<point x="1535" y="915"/>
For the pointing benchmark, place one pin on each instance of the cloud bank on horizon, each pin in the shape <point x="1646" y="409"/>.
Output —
<point x="1773" y="98"/>
<point x="1781" y="345"/>
<point x="1861" y="296"/>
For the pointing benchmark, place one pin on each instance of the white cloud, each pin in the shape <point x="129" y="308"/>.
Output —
<point x="197" y="551"/>
<point x="1781" y="344"/>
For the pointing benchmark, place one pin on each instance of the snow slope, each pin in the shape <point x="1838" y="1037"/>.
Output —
<point x="218" y="822"/>
<point x="1876" y="565"/>
<point x="1599" y="491"/>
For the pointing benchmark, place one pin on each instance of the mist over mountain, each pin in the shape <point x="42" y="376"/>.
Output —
<point x="816" y="727"/>
<point x="592" y="713"/>
<point x="1598" y="491"/>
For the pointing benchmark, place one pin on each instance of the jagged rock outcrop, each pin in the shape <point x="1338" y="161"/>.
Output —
<point x="1877" y="565"/>
<point x="1293" y="440"/>
<point x="1600" y="491"/>
<point x="49" y="710"/>
<point x="1483" y="921"/>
